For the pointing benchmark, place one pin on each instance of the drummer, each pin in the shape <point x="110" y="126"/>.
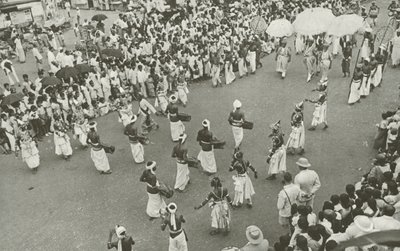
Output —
<point x="206" y="155"/>
<point x="177" y="127"/>
<point x="236" y="119"/>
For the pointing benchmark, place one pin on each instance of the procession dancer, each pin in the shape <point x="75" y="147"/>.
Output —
<point x="215" y="71"/>
<point x="177" y="235"/>
<point x="80" y="126"/>
<point x="354" y="94"/>
<point x="276" y="158"/>
<point x="155" y="203"/>
<point x="319" y="114"/>
<point x="61" y="139"/>
<point x="124" y="242"/>
<point x="309" y="58"/>
<point x="125" y="114"/>
<point x="182" y="90"/>
<point x="299" y="43"/>
<point x="229" y="74"/>
<point x="176" y="125"/>
<point x="220" y="213"/>
<point x="137" y="148"/>
<point x="252" y="58"/>
<point x="242" y="67"/>
<point x="206" y="154"/>
<point x="182" y="169"/>
<point x="243" y="186"/>
<point x="374" y="67"/>
<point x="161" y="99"/>
<point x="146" y="109"/>
<point x="283" y="57"/>
<point x="367" y="44"/>
<point x="325" y="62"/>
<point x="97" y="152"/>
<point x="395" y="49"/>
<point x="236" y="119"/>
<point x="380" y="58"/>
<point x="365" y="83"/>
<point x="29" y="150"/>
<point x="295" y="143"/>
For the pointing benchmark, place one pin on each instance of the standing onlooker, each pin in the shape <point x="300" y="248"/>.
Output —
<point x="68" y="8"/>
<point x="78" y="15"/>
<point x="38" y="57"/>
<point x="287" y="198"/>
<point x="309" y="182"/>
<point x="9" y="70"/>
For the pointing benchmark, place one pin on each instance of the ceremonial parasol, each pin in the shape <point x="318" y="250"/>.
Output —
<point x="112" y="53"/>
<point x="99" y="17"/>
<point x="49" y="81"/>
<point x="345" y="25"/>
<point x="67" y="72"/>
<point x="12" y="98"/>
<point x="258" y="24"/>
<point x="83" y="68"/>
<point x="313" y="21"/>
<point x="280" y="28"/>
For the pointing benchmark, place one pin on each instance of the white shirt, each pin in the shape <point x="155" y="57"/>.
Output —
<point x="36" y="53"/>
<point x="308" y="180"/>
<point x="286" y="198"/>
<point x="385" y="223"/>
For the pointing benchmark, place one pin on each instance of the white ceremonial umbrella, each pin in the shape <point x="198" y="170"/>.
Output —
<point x="345" y="25"/>
<point x="313" y="21"/>
<point x="280" y="28"/>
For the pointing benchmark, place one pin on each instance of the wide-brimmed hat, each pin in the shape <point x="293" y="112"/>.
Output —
<point x="364" y="223"/>
<point x="254" y="234"/>
<point x="303" y="162"/>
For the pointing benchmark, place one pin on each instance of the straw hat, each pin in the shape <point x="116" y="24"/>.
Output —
<point x="364" y="223"/>
<point x="303" y="162"/>
<point x="254" y="235"/>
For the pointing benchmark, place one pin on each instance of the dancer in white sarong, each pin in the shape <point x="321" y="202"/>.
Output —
<point x="276" y="158"/>
<point x="283" y="57"/>
<point x="29" y="151"/>
<point x="220" y="213"/>
<point x="97" y="152"/>
<point x="251" y="58"/>
<point x="354" y="94"/>
<point x="296" y="141"/>
<point x="319" y="114"/>
<point x="395" y="43"/>
<point x="125" y="114"/>
<point x="61" y="139"/>
<point x="229" y="74"/>
<point x="80" y="126"/>
<point x="182" y="90"/>
<point x="155" y="203"/>
<point x="177" y="236"/>
<point x="182" y="169"/>
<point x="236" y="119"/>
<point x="137" y="148"/>
<point x="176" y="125"/>
<point x="243" y="186"/>
<point x="206" y="154"/>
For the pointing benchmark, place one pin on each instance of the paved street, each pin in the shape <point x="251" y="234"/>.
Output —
<point x="69" y="206"/>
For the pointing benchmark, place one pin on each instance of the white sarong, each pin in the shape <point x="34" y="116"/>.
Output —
<point x="243" y="188"/>
<point x="137" y="150"/>
<point x="220" y="215"/>
<point x="154" y="205"/>
<point x="177" y="128"/>
<point x="178" y="243"/>
<point x="30" y="154"/>
<point x="100" y="160"/>
<point x="278" y="161"/>
<point x="354" y="95"/>
<point x="237" y="135"/>
<point x="182" y="176"/>
<point x="319" y="115"/>
<point x="207" y="160"/>
<point x="62" y="145"/>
